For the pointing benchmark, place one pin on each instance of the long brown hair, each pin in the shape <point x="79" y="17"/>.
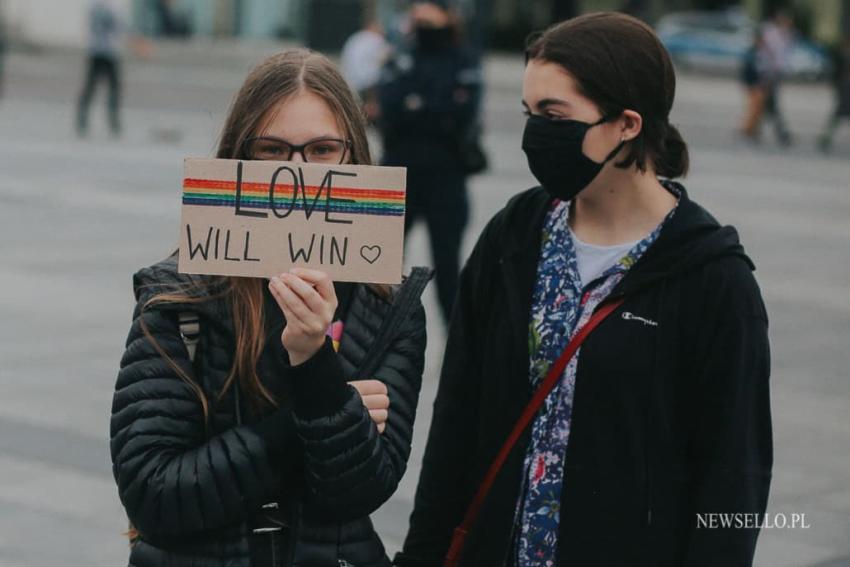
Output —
<point x="267" y="85"/>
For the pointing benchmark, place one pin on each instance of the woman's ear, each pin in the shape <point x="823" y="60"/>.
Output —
<point x="631" y="124"/>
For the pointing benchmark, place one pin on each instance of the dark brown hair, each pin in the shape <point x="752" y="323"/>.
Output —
<point x="620" y="64"/>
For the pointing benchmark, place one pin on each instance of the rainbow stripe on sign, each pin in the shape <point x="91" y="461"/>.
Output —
<point x="219" y="193"/>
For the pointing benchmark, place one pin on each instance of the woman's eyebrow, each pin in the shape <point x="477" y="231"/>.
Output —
<point x="547" y="102"/>
<point x="308" y="141"/>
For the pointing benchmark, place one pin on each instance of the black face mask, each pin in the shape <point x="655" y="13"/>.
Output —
<point x="433" y="39"/>
<point x="555" y="157"/>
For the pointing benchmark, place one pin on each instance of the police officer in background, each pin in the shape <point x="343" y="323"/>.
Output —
<point x="429" y="96"/>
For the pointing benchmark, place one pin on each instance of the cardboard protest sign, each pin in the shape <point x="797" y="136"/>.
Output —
<point x="261" y="218"/>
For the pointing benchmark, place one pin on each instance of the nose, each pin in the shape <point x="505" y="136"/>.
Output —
<point x="298" y="156"/>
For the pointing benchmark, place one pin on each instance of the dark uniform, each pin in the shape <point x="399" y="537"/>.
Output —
<point x="429" y="99"/>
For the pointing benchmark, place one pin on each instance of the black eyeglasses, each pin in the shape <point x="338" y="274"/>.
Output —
<point x="323" y="150"/>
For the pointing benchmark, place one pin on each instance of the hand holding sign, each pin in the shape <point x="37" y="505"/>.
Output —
<point x="308" y="301"/>
<point x="260" y="218"/>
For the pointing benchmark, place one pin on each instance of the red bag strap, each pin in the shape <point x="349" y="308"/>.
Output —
<point x="552" y="377"/>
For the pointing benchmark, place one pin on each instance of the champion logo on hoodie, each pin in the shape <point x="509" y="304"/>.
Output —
<point x="629" y="316"/>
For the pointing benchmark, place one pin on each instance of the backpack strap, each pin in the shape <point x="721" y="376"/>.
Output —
<point x="405" y="299"/>
<point x="190" y="332"/>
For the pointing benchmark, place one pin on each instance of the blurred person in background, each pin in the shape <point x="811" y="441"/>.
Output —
<point x="776" y="40"/>
<point x="106" y="31"/>
<point x="256" y="450"/>
<point x="752" y="77"/>
<point x="3" y="48"/>
<point x="429" y="97"/>
<point x="842" y="96"/>
<point x="171" y="23"/>
<point x="664" y="413"/>
<point x="361" y="60"/>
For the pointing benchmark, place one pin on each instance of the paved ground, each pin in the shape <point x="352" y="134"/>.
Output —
<point x="78" y="217"/>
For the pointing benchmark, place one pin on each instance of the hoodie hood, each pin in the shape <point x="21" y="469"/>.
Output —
<point x="689" y="240"/>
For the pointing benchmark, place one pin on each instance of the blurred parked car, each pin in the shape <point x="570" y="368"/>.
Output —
<point x="717" y="41"/>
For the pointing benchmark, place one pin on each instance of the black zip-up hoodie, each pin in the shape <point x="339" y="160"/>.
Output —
<point x="671" y="414"/>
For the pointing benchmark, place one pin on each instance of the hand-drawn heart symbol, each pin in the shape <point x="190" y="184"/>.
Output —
<point x="370" y="253"/>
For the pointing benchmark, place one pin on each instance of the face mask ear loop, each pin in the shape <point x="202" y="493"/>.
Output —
<point x="615" y="151"/>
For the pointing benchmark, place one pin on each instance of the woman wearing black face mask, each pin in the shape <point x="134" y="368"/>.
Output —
<point x="660" y="418"/>
<point x="429" y="100"/>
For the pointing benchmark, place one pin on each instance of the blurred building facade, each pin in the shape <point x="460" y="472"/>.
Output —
<point x="50" y="23"/>
<point x="62" y="23"/>
<point x="511" y="20"/>
<point x="325" y="24"/>
<point x="322" y="24"/>
<point x="259" y="19"/>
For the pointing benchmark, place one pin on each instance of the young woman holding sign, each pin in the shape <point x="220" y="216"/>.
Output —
<point x="236" y="439"/>
<point x="662" y="417"/>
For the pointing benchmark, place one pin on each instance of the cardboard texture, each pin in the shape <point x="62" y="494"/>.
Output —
<point x="261" y="218"/>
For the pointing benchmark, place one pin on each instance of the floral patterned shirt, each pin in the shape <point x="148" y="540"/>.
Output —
<point x="560" y="308"/>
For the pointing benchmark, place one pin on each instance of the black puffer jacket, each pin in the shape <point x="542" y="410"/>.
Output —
<point x="194" y="492"/>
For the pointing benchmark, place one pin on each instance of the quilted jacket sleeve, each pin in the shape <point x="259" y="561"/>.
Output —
<point x="351" y="469"/>
<point x="172" y="478"/>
